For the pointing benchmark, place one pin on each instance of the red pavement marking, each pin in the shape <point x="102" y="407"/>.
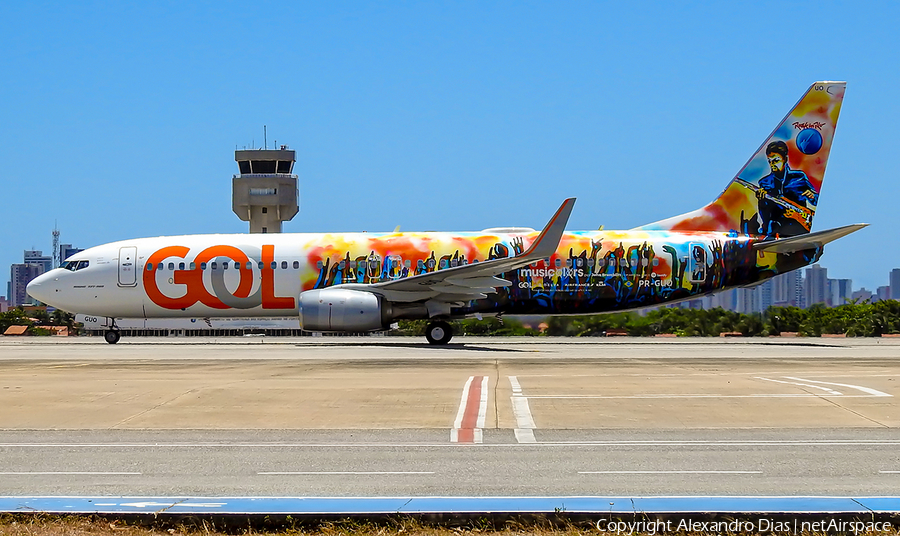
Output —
<point x="466" y="433"/>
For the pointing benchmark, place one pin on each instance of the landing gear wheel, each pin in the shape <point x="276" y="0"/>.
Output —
<point x="438" y="332"/>
<point x="111" y="336"/>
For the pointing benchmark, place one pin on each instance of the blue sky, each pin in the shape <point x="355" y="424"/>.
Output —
<point x="120" y="121"/>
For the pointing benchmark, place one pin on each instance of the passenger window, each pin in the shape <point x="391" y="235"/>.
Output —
<point x="225" y="265"/>
<point x="149" y="266"/>
<point x="249" y="265"/>
<point x="284" y="265"/>
<point x="213" y="265"/>
<point x="237" y="265"/>
<point x="181" y="266"/>
<point x="159" y="266"/>
<point x="260" y="265"/>
<point x="203" y="266"/>
<point x="655" y="262"/>
<point x="297" y="264"/>
<point x="171" y="266"/>
<point x="273" y="265"/>
<point x="193" y="266"/>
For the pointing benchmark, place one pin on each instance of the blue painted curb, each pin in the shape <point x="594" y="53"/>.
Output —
<point x="438" y="505"/>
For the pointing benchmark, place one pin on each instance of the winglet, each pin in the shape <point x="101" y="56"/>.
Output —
<point x="546" y="243"/>
<point x="807" y="241"/>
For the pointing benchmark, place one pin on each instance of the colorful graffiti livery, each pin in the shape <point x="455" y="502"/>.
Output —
<point x="776" y="192"/>
<point x="759" y="227"/>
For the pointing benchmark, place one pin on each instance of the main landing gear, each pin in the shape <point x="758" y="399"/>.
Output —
<point x="438" y="332"/>
<point x="112" y="335"/>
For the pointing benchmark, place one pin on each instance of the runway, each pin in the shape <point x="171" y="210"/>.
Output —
<point x="386" y="417"/>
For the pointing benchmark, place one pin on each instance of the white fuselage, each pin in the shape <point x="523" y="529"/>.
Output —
<point x="263" y="275"/>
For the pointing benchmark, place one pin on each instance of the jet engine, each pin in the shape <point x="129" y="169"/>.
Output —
<point x="337" y="309"/>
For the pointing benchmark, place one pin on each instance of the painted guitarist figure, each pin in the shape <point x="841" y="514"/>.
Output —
<point x="791" y="185"/>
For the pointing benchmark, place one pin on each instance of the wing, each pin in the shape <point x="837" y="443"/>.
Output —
<point x="452" y="286"/>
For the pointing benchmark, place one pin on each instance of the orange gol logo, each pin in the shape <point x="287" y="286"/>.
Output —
<point x="220" y="298"/>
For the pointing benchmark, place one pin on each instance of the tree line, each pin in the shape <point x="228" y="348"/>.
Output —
<point x="855" y="319"/>
<point x="37" y="321"/>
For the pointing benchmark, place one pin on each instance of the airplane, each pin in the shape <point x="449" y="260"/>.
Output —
<point x="757" y="228"/>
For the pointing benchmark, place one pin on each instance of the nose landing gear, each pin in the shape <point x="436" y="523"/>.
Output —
<point x="112" y="335"/>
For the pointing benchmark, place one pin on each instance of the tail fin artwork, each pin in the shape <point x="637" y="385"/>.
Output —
<point x="776" y="192"/>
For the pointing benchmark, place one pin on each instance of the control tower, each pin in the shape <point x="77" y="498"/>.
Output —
<point x="265" y="191"/>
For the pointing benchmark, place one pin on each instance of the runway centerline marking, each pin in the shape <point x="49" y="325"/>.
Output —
<point x="524" y="421"/>
<point x="472" y="411"/>
<point x="89" y="473"/>
<point x="676" y="472"/>
<point x="330" y="473"/>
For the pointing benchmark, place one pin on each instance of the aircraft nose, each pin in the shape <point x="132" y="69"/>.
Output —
<point x="40" y="287"/>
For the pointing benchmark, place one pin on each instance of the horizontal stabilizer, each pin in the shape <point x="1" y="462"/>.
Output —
<point x="807" y="241"/>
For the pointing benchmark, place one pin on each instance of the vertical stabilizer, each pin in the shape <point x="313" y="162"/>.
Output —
<point x="776" y="192"/>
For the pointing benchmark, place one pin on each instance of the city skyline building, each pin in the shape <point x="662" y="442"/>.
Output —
<point x="816" y="285"/>
<point x="862" y="295"/>
<point x="840" y="291"/>
<point x="894" y="284"/>
<point x="787" y="289"/>
<point x="36" y="256"/>
<point x="765" y="293"/>
<point x="20" y="275"/>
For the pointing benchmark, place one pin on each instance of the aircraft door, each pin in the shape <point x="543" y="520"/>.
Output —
<point x="697" y="262"/>
<point x="127" y="262"/>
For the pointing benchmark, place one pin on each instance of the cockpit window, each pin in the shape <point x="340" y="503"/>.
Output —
<point x="74" y="266"/>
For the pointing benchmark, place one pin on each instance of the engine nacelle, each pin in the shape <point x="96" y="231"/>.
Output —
<point x="338" y="309"/>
